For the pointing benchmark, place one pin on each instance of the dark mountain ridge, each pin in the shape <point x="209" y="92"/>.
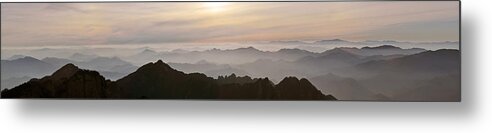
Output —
<point x="159" y="81"/>
<point x="67" y="82"/>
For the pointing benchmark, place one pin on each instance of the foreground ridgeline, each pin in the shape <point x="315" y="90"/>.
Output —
<point x="159" y="81"/>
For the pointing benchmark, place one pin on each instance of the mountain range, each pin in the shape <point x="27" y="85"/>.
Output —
<point x="251" y="54"/>
<point x="382" y="72"/>
<point x="159" y="81"/>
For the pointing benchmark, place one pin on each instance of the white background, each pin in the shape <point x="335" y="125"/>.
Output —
<point x="473" y="114"/>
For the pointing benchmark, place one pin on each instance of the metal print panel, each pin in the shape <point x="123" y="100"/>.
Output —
<point x="333" y="51"/>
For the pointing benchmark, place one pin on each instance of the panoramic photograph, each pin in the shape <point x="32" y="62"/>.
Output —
<point x="315" y="51"/>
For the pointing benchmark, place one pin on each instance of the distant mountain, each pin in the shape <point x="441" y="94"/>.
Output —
<point x="310" y="65"/>
<point x="251" y="54"/>
<point x="57" y="62"/>
<point x="339" y="54"/>
<point x="292" y="54"/>
<point x="341" y="42"/>
<point x="393" y="42"/>
<point x="378" y="50"/>
<point x="329" y="60"/>
<point x="443" y="88"/>
<point x="332" y="41"/>
<point x="113" y="76"/>
<point x="110" y="67"/>
<point x="14" y="57"/>
<point x="208" y="68"/>
<point x="144" y="56"/>
<point x="225" y="71"/>
<point x="345" y="88"/>
<point x="247" y="50"/>
<point x="26" y="66"/>
<point x="148" y="52"/>
<point x="113" y="64"/>
<point x="420" y="76"/>
<point x="381" y="57"/>
<point x="378" y="72"/>
<point x="383" y="47"/>
<point x="82" y="57"/>
<point x="159" y="81"/>
<point x="218" y="56"/>
<point x="442" y="61"/>
<point x="274" y="69"/>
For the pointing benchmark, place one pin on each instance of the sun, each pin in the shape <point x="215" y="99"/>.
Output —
<point x="215" y="7"/>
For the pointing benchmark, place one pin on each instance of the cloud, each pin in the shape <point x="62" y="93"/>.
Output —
<point x="64" y="7"/>
<point x="142" y="23"/>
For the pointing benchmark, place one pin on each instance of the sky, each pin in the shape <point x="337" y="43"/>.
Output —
<point x="67" y="24"/>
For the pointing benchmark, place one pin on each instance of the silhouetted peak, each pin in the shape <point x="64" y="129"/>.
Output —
<point x="289" y="80"/>
<point x="65" y="71"/>
<point x="68" y="67"/>
<point x="382" y="47"/>
<point x="304" y="82"/>
<point x="292" y="87"/>
<point x="158" y="66"/>
<point x="294" y="81"/>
